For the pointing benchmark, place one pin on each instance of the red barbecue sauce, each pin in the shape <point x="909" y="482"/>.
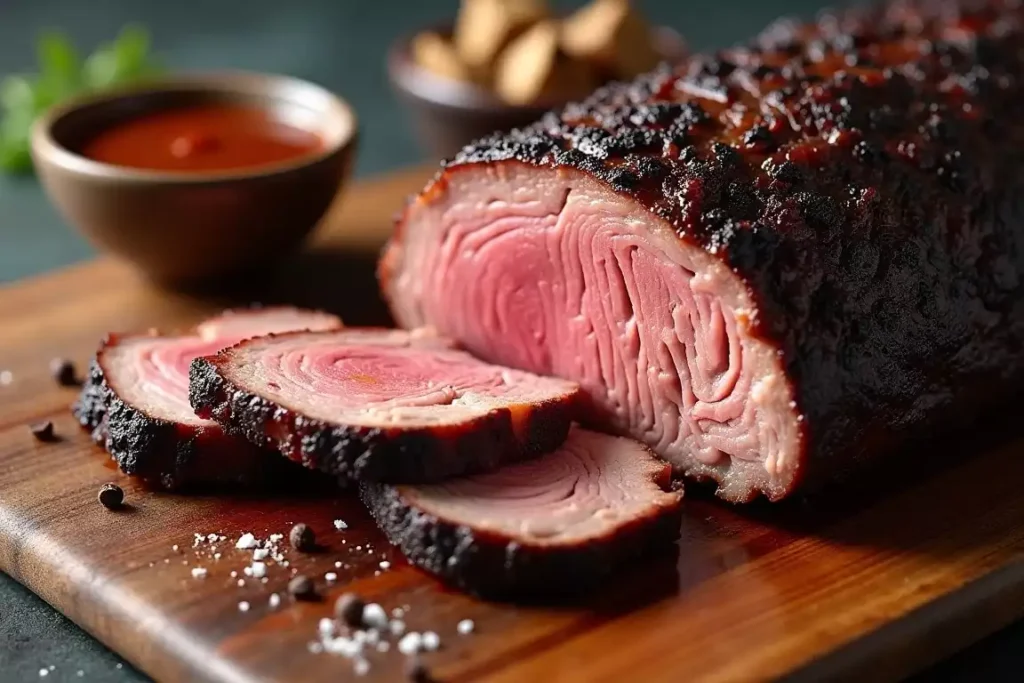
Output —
<point x="202" y="139"/>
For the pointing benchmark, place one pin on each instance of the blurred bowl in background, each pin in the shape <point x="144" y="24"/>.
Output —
<point x="446" y="114"/>
<point x="188" y="228"/>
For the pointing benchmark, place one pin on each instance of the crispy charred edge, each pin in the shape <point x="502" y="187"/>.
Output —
<point x="354" y="453"/>
<point x="492" y="566"/>
<point x="164" y="454"/>
<point x="90" y="408"/>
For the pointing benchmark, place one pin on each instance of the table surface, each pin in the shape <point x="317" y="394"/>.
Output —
<point x="341" y="44"/>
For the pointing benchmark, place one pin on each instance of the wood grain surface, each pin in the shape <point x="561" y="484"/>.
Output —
<point x="869" y="583"/>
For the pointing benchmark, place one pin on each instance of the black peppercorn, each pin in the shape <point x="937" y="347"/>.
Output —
<point x="349" y="609"/>
<point x="302" y="538"/>
<point x="302" y="588"/>
<point x="111" y="496"/>
<point x="63" y="372"/>
<point x="417" y="672"/>
<point x="43" y="431"/>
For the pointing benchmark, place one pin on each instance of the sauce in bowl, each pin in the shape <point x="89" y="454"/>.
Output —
<point x="206" y="138"/>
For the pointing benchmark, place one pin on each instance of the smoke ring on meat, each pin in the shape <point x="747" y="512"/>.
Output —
<point x="564" y="283"/>
<point x="550" y="526"/>
<point x="135" y="402"/>
<point x="383" y="405"/>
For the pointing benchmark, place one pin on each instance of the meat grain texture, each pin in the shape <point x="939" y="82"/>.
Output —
<point x="135" y="402"/>
<point x="381" y="405"/>
<point x="770" y="265"/>
<point x="551" y="526"/>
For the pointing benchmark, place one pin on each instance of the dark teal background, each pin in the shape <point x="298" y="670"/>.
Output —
<point x="340" y="44"/>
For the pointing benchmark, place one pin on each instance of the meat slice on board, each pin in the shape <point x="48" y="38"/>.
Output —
<point x="381" y="405"/>
<point x="549" y="526"/>
<point x="771" y="265"/>
<point x="135" y="402"/>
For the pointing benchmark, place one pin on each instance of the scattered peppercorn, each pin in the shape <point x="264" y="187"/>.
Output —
<point x="417" y="672"/>
<point x="43" y="431"/>
<point x="302" y="538"/>
<point x="111" y="496"/>
<point x="63" y="372"/>
<point x="302" y="588"/>
<point x="349" y="609"/>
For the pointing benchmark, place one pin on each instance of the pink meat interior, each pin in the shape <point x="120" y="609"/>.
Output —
<point x="383" y="378"/>
<point x="584" y="490"/>
<point x="552" y="272"/>
<point x="151" y="373"/>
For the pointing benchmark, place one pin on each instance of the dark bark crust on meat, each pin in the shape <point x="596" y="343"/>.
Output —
<point x="164" y="454"/>
<point x="90" y="408"/>
<point x="354" y="453"/>
<point x="864" y="176"/>
<point x="492" y="566"/>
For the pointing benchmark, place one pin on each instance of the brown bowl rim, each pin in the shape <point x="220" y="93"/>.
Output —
<point x="46" y="148"/>
<point x="426" y="85"/>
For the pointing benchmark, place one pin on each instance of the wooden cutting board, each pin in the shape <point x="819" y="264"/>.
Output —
<point x="873" y="583"/>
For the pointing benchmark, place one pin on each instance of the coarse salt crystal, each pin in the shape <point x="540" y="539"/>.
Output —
<point x="246" y="542"/>
<point x="247" y="571"/>
<point x="234" y="575"/>
<point x="259" y="569"/>
<point x="211" y="538"/>
<point x="397" y="627"/>
<point x="274" y="538"/>
<point x="465" y="627"/>
<point x="330" y="577"/>
<point x="410" y="643"/>
<point x="361" y="667"/>
<point x="337" y="565"/>
<point x="398" y="613"/>
<point x="6" y="377"/>
<point x="260" y="554"/>
<point x="375" y="616"/>
<point x="174" y="548"/>
<point x="315" y="648"/>
<point x="326" y="626"/>
<point x="243" y="606"/>
<point x="431" y="641"/>
<point x="346" y="647"/>
<point x="44" y="672"/>
<point x="80" y="673"/>
<point x="198" y="573"/>
<point x="275" y="600"/>
<point x="216" y="556"/>
<point x="385" y="564"/>
<point x="383" y="646"/>
<point x="340" y="525"/>
<point x="241" y="582"/>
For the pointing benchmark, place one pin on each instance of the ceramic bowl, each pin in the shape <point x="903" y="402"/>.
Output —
<point x="446" y="114"/>
<point x="185" y="228"/>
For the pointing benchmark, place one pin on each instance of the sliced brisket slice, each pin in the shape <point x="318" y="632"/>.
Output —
<point x="552" y="525"/>
<point x="772" y="264"/>
<point x="381" y="405"/>
<point x="135" y="402"/>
